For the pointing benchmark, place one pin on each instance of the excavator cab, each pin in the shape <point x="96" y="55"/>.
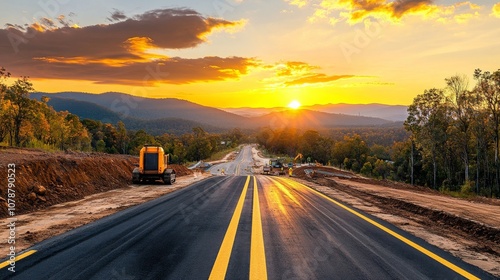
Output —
<point x="153" y="165"/>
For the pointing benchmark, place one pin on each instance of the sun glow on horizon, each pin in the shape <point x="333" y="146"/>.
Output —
<point x="294" y="105"/>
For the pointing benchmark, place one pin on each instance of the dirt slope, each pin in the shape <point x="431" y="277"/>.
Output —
<point x="44" y="179"/>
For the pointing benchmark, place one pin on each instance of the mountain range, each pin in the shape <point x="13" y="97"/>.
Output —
<point x="170" y="115"/>
<point x="396" y="113"/>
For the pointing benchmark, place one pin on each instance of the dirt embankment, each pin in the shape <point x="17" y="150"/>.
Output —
<point x="44" y="179"/>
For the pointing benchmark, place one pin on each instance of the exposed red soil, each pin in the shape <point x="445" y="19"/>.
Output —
<point x="44" y="179"/>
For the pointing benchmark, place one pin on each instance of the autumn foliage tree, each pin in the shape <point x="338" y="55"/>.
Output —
<point x="30" y="123"/>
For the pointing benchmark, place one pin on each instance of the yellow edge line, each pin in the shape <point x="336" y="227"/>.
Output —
<point x="18" y="258"/>
<point x="258" y="268"/>
<point x="222" y="261"/>
<point x="430" y="254"/>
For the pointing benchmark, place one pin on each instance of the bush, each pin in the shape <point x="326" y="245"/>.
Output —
<point x="467" y="189"/>
<point x="366" y="169"/>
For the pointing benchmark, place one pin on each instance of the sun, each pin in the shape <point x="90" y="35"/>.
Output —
<point x="294" y="105"/>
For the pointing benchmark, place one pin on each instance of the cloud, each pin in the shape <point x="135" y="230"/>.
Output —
<point x="117" y="15"/>
<point x="294" y="68"/>
<point x="296" y="73"/>
<point x="317" y="78"/>
<point x="496" y="10"/>
<point x="299" y="3"/>
<point x="120" y="52"/>
<point x="355" y="11"/>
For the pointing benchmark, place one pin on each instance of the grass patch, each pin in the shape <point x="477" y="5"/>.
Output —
<point x="221" y="154"/>
<point x="466" y="191"/>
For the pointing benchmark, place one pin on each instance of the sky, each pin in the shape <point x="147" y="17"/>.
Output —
<point x="244" y="53"/>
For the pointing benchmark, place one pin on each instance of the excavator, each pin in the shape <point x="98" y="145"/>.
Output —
<point x="153" y="165"/>
<point x="299" y="156"/>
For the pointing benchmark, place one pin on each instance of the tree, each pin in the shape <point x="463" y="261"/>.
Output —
<point x="312" y="144"/>
<point x="426" y="117"/>
<point x="200" y="146"/>
<point x="4" y="126"/>
<point x="488" y="86"/>
<point x="462" y="104"/>
<point x="122" y="138"/>
<point x="20" y="108"/>
<point x="366" y="169"/>
<point x="352" y="151"/>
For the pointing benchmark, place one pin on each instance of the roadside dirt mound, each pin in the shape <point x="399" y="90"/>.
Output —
<point x="44" y="179"/>
<point x="180" y="170"/>
<point x="324" y="171"/>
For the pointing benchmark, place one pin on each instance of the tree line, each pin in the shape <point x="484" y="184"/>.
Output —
<point x="25" y="122"/>
<point x="30" y="123"/>
<point x="188" y="147"/>
<point x="454" y="140"/>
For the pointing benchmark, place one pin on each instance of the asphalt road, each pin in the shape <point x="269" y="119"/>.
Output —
<point x="240" y="227"/>
<point x="241" y="165"/>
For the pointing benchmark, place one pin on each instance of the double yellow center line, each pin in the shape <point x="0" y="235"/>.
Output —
<point x="258" y="269"/>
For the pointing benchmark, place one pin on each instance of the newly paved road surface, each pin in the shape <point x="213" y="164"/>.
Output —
<point x="240" y="227"/>
<point x="241" y="165"/>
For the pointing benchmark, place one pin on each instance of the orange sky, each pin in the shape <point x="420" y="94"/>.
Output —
<point x="249" y="54"/>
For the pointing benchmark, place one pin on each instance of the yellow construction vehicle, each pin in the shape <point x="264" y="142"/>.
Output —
<point x="153" y="165"/>
<point x="299" y="156"/>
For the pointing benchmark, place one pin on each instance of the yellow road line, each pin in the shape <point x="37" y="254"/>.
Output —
<point x="426" y="252"/>
<point x="258" y="268"/>
<point x="222" y="261"/>
<point x="18" y="258"/>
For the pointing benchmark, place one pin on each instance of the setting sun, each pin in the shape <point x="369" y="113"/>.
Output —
<point x="294" y="105"/>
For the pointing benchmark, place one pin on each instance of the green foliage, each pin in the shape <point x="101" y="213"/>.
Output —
<point x="467" y="189"/>
<point x="366" y="169"/>
<point x="456" y="134"/>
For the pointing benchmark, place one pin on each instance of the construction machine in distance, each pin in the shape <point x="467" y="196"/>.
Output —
<point x="299" y="156"/>
<point x="276" y="166"/>
<point x="153" y="165"/>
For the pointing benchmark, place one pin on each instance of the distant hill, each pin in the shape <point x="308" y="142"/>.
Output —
<point x="83" y="109"/>
<point x="150" y="109"/>
<point x="388" y="112"/>
<point x="89" y="110"/>
<point x="382" y="111"/>
<point x="307" y="119"/>
<point x="176" y="116"/>
<point x="254" y="112"/>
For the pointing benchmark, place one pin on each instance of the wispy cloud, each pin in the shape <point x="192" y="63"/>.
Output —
<point x="123" y="51"/>
<point x="317" y="78"/>
<point x="496" y="10"/>
<point x="116" y="15"/>
<point x="355" y="11"/>
<point x="297" y="73"/>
